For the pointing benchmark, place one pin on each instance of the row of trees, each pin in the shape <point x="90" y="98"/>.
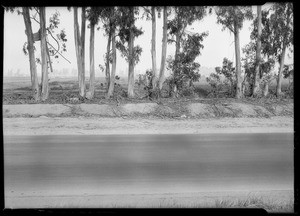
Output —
<point x="38" y="15"/>
<point x="272" y="34"/>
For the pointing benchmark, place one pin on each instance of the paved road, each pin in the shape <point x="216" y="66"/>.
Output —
<point x="74" y="165"/>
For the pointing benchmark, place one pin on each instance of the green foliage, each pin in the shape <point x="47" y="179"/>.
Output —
<point x="54" y="21"/>
<point x="137" y="50"/>
<point x="223" y="79"/>
<point x="277" y="29"/>
<point x="228" y="16"/>
<point x="214" y="80"/>
<point x="126" y="24"/>
<point x="282" y="26"/>
<point x="249" y="63"/>
<point x="145" y="81"/>
<point x="147" y="12"/>
<point x="93" y="14"/>
<point x="288" y="71"/>
<point x="185" y="68"/>
<point x="61" y="37"/>
<point x="184" y="16"/>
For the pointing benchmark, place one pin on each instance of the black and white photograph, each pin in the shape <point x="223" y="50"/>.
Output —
<point x="149" y="107"/>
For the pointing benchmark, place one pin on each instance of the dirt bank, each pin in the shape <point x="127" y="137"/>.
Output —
<point x="170" y="110"/>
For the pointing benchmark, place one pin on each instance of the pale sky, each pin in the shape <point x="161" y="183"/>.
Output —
<point x="217" y="45"/>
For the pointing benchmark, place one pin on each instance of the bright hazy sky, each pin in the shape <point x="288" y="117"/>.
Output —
<point x="217" y="45"/>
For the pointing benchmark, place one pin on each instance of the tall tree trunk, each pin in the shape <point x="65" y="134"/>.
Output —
<point x="107" y="73"/>
<point x="79" y="47"/>
<point x="153" y="48"/>
<point x="82" y="89"/>
<point x="238" y="93"/>
<point x="258" y="50"/>
<point x="77" y="43"/>
<point x="45" y="84"/>
<point x="164" y="51"/>
<point x="175" y="87"/>
<point x="92" y="62"/>
<point x="33" y="71"/>
<point x="279" y="79"/>
<point x="131" y="58"/>
<point x="114" y="63"/>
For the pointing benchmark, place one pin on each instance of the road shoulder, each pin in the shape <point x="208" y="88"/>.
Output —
<point x="101" y="126"/>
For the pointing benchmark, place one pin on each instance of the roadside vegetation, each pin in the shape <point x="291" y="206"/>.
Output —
<point x="250" y="79"/>
<point x="251" y="201"/>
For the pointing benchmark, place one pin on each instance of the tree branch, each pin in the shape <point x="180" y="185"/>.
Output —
<point x="59" y="53"/>
<point x="147" y="10"/>
<point x="36" y="10"/>
<point x="35" y="19"/>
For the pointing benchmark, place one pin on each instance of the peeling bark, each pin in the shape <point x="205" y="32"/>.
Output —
<point x="131" y="58"/>
<point x="33" y="70"/>
<point x="114" y="63"/>
<point x="258" y="56"/>
<point x="45" y="83"/>
<point x="163" y="52"/>
<point x="153" y="48"/>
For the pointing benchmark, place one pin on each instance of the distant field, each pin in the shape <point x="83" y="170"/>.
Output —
<point x="21" y="82"/>
<point x="17" y="90"/>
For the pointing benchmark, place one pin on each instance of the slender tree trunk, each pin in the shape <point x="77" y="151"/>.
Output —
<point x="153" y="48"/>
<point x="258" y="50"/>
<point x="279" y="79"/>
<point x="45" y="84"/>
<point x="79" y="47"/>
<point x="107" y="73"/>
<point x="238" y="93"/>
<point x="131" y="58"/>
<point x="82" y="89"/>
<point x="164" y="51"/>
<point x="92" y="62"/>
<point x="266" y="89"/>
<point x="77" y="43"/>
<point x="175" y="87"/>
<point x="33" y="71"/>
<point x="114" y="63"/>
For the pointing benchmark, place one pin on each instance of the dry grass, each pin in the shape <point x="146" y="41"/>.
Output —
<point x="268" y="204"/>
<point x="274" y="205"/>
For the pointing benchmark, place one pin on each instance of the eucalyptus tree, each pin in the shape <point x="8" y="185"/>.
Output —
<point x="30" y="47"/>
<point x="164" y="49"/>
<point x="45" y="86"/>
<point x="110" y="17"/>
<point x="106" y="14"/>
<point x="258" y="53"/>
<point x="151" y="14"/>
<point x="30" y="13"/>
<point x="232" y="18"/>
<point x="281" y="26"/>
<point x="93" y="17"/>
<point x="80" y="48"/>
<point x="273" y="37"/>
<point x="127" y="32"/>
<point x="184" y="16"/>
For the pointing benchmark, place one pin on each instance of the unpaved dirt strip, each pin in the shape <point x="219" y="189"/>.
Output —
<point x="190" y="200"/>
<point x="91" y="125"/>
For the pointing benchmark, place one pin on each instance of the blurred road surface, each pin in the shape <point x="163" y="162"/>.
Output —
<point x="65" y="165"/>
